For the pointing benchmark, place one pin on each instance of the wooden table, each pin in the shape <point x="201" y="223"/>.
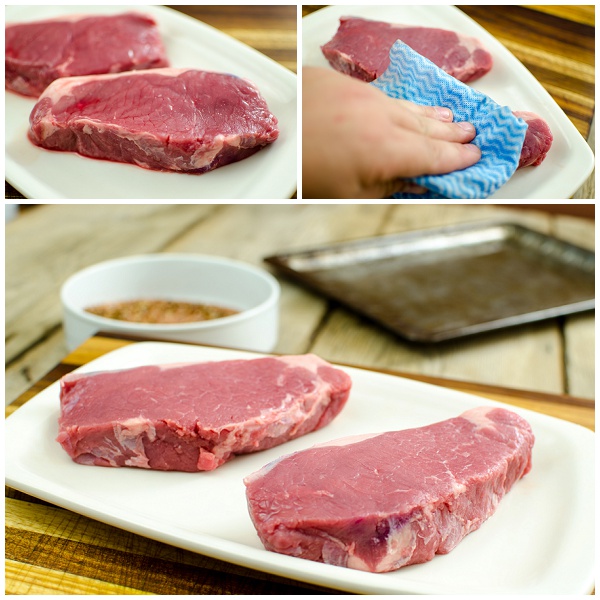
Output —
<point x="547" y="367"/>
<point x="557" y="44"/>
<point x="47" y="243"/>
<point x="269" y="29"/>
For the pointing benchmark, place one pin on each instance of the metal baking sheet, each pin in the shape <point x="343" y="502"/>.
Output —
<point x="445" y="283"/>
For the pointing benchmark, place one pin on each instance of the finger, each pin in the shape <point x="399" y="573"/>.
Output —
<point x="451" y="132"/>
<point x="418" y="119"/>
<point x="440" y="113"/>
<point x="446" y="157"/>
<point x="428" y="156"/>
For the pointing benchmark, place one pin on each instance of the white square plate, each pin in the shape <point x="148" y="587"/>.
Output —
<point x="570" y="160"/>
<point x="540" y="540"/>
<point x="271" y="173"/>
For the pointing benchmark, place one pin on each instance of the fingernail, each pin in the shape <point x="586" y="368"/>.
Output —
<point x="473" y="148"/>
<point x="466" y="126"/>
<point x="444" y="113"/>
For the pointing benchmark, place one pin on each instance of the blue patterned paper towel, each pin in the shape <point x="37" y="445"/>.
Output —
<point x="500" y="134"/>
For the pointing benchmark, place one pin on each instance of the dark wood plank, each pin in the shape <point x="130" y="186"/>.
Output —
<point x="558" y="52"/>
<point x="49" y="537"/>
<point x="268" y="29"/>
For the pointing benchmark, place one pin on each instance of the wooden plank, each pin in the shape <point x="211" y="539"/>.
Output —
<point x="588" y="189"/>
<point x="580" y="356"/>
<point x="87" y="556"/>
<point x="22" y="578"/>
<point x="557" y="50"/>
<point x="270" y="29"/>
<point x="498" y="358"/>
<point x="32" y="364"/>
<point x="578" y="331"/>
<point x="38" y="519"/>
<point x="584" y="14"/>
<point x="580" y="411"/>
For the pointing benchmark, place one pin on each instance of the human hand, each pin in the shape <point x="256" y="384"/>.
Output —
<point x="359" y="143"/>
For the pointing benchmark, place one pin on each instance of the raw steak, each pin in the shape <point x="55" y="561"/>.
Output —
<point x="163" y="119"/>
<point x="361" y="48"/>
<point x="538" y="139"/>
<point x="195" y="417"/>
<point x="39" y="52"/>
<point x="383" y="501"/>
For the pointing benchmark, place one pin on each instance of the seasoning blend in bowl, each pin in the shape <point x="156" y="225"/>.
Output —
<point x="177" y="297"/>
<point x="160" y="311"/>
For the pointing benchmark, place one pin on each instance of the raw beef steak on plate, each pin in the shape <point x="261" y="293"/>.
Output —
<point x="181" y="120"/>
<point x="195" y="417"/>
<point x="538" y="139"/>
<point x="383" y="501"/>
<point x="361" y="48"/>
<point x="38" y="52"/>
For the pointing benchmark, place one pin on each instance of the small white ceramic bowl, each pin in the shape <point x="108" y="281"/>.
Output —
<point x="181" y="277"/>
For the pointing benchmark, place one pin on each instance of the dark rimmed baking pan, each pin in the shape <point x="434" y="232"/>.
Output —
<point x="444" y="283"/>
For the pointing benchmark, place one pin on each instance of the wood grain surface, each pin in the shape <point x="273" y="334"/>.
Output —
<point x="48" y="243"/>
<point x="270" y="29"/>
<point x="50" y="550"/>
<point x="557" y="50"/>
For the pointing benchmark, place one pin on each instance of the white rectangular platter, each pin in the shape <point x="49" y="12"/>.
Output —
<point x="570" y="160"/>
<point x="271" y="173"/>
<point x="540" y="540"/>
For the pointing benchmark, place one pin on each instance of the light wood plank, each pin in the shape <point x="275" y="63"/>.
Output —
<point x="579" y="330"/>
<point x="33" y="364"/>
<point x="28" y="579"/>
<point x="64" y="524"/>
<point x="584" y="14"/>
<point x="580" y="356"/>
